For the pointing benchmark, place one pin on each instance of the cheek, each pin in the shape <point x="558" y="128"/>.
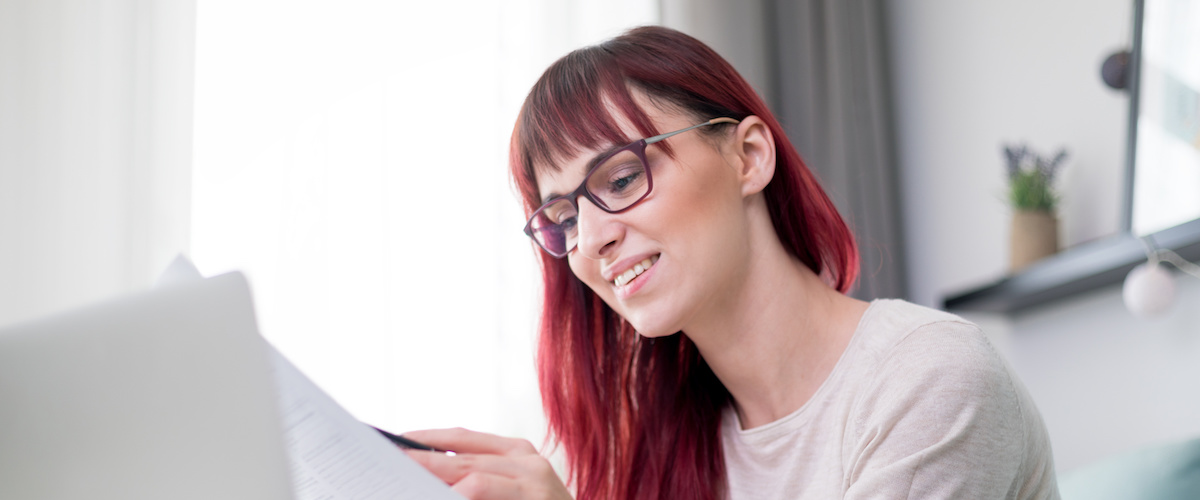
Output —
<point x="588" y="271"/>
<point x="706" y="210"/>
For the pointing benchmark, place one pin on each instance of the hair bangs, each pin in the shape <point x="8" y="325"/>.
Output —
<point x="579" y="103"/>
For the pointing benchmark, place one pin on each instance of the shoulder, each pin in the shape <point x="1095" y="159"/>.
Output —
<point x="918" y="344"/>
<point x="932" y="367"/>
<point x="938" y="409"/>
<point x="891" y="321"/>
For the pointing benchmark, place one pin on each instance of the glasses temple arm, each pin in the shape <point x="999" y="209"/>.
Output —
<point x="714" y="121"/>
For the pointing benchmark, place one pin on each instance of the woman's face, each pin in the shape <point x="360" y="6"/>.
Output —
<point x="691" y="229"/>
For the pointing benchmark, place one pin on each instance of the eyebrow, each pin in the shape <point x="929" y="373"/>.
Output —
<point x="589" y="166"/>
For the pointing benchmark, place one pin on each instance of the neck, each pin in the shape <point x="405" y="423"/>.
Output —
<point x="774" y="340"/>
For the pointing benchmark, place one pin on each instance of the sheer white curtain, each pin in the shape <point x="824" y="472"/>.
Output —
<point x="350" y="158"/>
<point x="95" y="134"/>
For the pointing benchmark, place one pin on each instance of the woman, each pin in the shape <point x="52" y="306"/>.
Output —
<point x="696" y="340"/>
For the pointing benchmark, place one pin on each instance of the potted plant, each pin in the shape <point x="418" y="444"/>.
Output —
<point x="1034" y="201"/>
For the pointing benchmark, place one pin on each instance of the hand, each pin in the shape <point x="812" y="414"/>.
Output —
<point x="488" y="467"/>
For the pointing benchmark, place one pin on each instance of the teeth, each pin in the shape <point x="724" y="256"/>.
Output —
<point x="639" y="268"/>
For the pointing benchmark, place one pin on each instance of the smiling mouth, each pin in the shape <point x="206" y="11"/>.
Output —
<point x="639" y="268"/>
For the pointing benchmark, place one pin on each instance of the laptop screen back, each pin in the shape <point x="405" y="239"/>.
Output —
<point x="165" y="394"/>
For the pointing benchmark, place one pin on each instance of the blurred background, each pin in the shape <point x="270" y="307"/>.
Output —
<point x="350" y="158"/>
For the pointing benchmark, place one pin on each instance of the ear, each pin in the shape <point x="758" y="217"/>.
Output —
<point x="754" y="146"/>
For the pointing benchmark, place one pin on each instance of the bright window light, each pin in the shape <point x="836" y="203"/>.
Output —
<point x="350" y="158"/>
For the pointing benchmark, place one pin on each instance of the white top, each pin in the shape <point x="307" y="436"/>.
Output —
<point x="919" y="406"/>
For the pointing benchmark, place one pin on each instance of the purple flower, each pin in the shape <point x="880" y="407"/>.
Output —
<point x="1021" y="157"/>
<point x="1031" y="177"/>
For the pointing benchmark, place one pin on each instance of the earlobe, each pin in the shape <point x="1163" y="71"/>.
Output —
<point x="755" y="146"/>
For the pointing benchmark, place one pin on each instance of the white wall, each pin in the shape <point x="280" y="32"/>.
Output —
<point x="969" y="76"/>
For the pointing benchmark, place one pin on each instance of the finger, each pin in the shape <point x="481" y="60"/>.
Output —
<point x="483" y="486"/>
<point x="466" y="441"/>
<point x="438" y="464"/>
<point x="453" y="468"/>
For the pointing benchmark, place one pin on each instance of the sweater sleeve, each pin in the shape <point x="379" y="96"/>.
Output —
<point x="940" y="419"/>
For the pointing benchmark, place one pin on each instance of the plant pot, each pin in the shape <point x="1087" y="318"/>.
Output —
<point x="1034" y="237"/>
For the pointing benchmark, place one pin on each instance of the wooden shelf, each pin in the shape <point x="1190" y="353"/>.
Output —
<point x="1083" y="268"/>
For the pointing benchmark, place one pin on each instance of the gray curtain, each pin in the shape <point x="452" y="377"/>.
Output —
<point x="831" y="93"/>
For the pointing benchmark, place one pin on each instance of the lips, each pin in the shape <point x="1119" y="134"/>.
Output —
<point x="635" y="271"/>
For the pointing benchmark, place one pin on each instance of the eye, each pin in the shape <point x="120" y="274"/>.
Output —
<point x="620" y="183"/>
<point x="561" y="213"/>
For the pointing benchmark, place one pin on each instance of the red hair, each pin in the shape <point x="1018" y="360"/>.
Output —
<point x="640" y="418"/>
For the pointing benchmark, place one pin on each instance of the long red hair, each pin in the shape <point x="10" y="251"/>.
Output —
<point x="640" y="418"/>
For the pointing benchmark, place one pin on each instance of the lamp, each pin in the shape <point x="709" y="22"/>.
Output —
<point x="1149" y="289"/>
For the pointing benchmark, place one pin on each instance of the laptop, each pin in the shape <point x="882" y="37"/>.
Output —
<point x="166" y="394"/>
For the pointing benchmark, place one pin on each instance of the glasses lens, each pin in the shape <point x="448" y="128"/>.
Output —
<point x="620" y="181"/>
<point x="554" y="226"/>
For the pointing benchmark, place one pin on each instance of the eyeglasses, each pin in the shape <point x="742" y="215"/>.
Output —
<point x="616" y="183"/>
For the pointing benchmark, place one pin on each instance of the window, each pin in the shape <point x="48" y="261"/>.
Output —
<point x="350" y="158"/>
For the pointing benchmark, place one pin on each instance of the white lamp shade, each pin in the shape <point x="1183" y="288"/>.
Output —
<point x="1149" y="290"/>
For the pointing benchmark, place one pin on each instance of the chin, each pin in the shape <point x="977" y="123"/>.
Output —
<point x="650" y="329"/>
<point x="652" y="317"/>
<point x="657" y="335"/>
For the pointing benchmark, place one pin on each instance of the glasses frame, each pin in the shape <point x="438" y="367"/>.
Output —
<point x="638" y="148"/>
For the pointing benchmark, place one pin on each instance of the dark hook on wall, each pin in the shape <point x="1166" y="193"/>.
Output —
<point x="1115" y="70"/>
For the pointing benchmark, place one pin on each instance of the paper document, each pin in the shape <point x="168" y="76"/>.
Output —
<point x="335" y="457"/>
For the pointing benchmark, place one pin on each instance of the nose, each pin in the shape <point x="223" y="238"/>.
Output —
<point x="599" y="231"/>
